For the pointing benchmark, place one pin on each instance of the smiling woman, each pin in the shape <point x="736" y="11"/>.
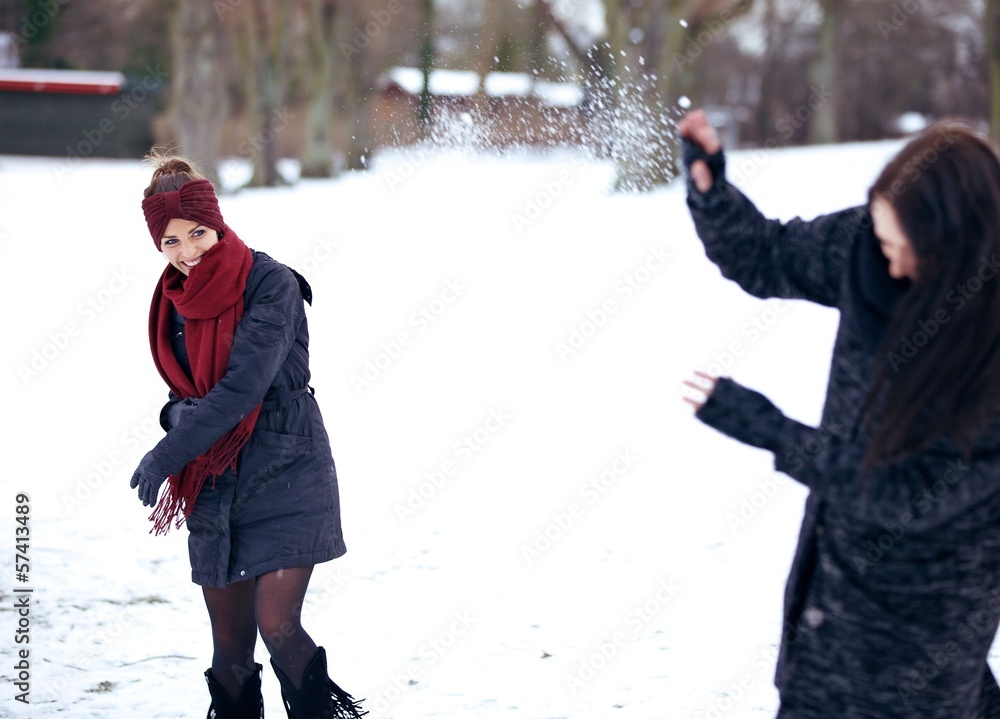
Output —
<point x="246" y="458"/>
<point x="185" y="241"/>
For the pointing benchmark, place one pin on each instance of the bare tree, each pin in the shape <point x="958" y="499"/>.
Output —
<point x="653" y="47"/>
<point x="486" y="52"/>
<point x="590" y="54"/>
<point x="426" y="61"/>
<point x="361" y="39"/>
<point x="823" y="128"/>
<point x="198" y="104"/>
<point x="775" y="78"/>
<point x="538" y="39"/>
<point x="260" y="29"/>
<point x="318" y="74"/>
<point x="992" y="12"/>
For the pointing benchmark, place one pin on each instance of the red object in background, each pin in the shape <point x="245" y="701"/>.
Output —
<point x="75" y="82"/>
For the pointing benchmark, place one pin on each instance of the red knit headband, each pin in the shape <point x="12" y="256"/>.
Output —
<point x="195" y="201"/>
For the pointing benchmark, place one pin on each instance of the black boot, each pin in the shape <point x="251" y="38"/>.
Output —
<point x="319" y="697"/>
<point x="250" y="704"/>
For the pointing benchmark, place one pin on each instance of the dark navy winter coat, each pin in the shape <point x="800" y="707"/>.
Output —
<point x="893" y="598"/>
<point x="281" y="507"/>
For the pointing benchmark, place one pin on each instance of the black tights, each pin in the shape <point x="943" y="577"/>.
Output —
<point x="271" y="603"/>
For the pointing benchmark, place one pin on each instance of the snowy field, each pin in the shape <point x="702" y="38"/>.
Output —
<point x="536" y="525"/>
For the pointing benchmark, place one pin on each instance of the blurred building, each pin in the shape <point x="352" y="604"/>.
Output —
<point x="504" y="109"/>
<point x="76" y="114"/>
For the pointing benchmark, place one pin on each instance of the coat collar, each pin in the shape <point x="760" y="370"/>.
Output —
<point x="872" y="292"/>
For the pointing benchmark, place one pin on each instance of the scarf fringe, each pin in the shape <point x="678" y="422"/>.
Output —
<point x="211" y="298"/>
<point x="182" y="490"/>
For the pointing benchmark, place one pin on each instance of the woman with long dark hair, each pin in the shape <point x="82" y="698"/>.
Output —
<point x="893" y="598"/>
<point x="246" y="458"/>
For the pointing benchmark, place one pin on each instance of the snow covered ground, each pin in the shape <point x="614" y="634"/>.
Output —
<point x="536" y="525"/>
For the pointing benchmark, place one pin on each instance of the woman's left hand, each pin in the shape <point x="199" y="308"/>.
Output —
<point x="701" y="389"/>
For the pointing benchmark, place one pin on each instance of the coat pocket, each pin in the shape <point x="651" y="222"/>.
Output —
<point x="266" y="324"/>
<point x="282" y="442"/>
<point x="271" y="461"/>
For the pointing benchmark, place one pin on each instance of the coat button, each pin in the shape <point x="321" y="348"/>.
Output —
<point x="243" y="573"/>
<point x="813" y="617"/>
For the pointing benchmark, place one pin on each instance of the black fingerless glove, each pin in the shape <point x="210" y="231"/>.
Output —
<point x="743" y="414"/>
<point x="716" y="163"/>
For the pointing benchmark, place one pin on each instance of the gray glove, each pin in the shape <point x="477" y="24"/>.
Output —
<point x="148" y="477"/>
<point x="178" y="410"/>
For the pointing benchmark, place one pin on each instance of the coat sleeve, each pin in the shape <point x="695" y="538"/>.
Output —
<point x="172" y="399"/>
<point x="798" y="259"/>
<point x="926" y="488"/>
<point x="261" y="344"/>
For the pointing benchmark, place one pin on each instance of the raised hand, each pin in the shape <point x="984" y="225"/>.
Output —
<point x="695" y="127"/>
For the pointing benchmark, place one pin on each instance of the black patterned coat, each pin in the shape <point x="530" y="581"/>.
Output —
<point x="893" y="598"/>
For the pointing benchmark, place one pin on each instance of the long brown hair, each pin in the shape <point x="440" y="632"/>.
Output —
<point x="938" y="375"/>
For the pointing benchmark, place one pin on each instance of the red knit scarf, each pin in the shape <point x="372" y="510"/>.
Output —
<point x="210" y="299"/>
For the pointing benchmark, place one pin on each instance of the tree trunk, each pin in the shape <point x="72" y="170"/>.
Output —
<point x="32" y="39"/>
<point x="317" y="155"/>
<point x="362" y="52"/>
<point x="645" y="153"/>
<point x="538" y="54"/>
<point x="272" y="119"/>
<point x="676" y="76"/>
<point x="763" y="113"/>
<point x="489" y="41"/>
<point x="198" y="91"/>
<point x="426" y="63"/>
<point x="262" y="57"/>
<point x="596" y="62"/>
<point x="653" y="55"/>
<point x="993" y="53"/>
<point x="823" y="126"/>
